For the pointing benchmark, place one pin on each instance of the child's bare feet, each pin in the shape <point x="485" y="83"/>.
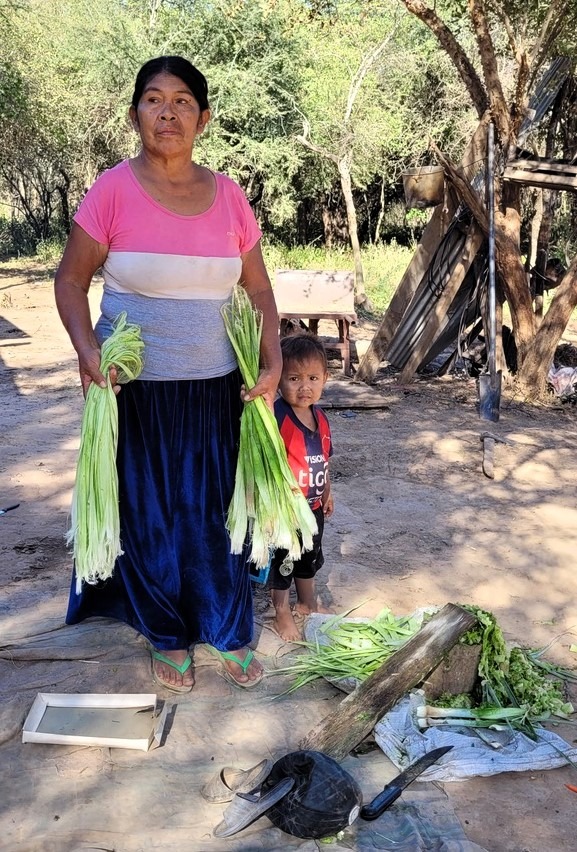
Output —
<point x="307" y="609"/>
<point x="307" y="599"/>
<point x="284" y="624"/>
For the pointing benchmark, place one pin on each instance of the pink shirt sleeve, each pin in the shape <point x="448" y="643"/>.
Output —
<point x="96" y="212"/>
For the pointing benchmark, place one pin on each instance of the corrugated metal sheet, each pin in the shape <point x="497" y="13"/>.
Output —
<point x="545" y="93"/>
<point x="418" y="313"/>
<point x="413" y="323"/>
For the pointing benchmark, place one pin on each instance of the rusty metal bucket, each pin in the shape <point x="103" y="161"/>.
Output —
<point x="424" y="186"/>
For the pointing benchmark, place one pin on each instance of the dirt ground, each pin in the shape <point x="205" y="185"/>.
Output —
<point x="416" y="523"/>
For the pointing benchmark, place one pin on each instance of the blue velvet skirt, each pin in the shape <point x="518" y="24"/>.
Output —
<point x="177" y="582"/>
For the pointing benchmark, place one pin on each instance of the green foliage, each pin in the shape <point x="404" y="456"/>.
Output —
<point x="447" y="699"/>
<point x="494" y="662"/>
<point x="511" y="677"/>
<point x="16" y="237"/>
<point x="351" y="648"/>
<point x="68" y="67"/>
<point x="533" y="688"/>
<point x="49" y="251"/>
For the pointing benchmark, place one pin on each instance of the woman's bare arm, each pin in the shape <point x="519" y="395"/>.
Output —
<point x="82" y="257"/>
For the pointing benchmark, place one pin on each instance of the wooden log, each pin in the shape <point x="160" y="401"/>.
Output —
<point x="458" y="672"/>
<point x="535" y="177"/>
<point x="358" y="713"/>
<point x="555" y="166"/>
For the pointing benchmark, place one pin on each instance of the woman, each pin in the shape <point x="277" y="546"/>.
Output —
<point x="172" y="238"/>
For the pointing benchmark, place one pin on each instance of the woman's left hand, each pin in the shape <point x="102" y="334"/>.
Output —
<point x="266" y="386"/>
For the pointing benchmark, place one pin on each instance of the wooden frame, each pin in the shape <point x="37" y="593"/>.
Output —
<point x="548" y="174"/>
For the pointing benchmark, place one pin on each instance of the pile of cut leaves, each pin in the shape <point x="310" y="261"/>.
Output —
<point x="347" y="649"/>
<point x="516" y="687"/>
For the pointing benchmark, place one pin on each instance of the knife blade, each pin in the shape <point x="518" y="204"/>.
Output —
<point x="393" y="790"/>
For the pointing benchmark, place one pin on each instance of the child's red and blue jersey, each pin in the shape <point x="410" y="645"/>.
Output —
<point x="308" y="452"/>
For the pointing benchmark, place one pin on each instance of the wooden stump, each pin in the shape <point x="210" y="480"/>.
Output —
<point x="358" y="713"/>
<point x="457" y="673"/>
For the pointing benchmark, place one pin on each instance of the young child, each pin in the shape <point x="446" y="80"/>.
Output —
<point x="307" y="436"/>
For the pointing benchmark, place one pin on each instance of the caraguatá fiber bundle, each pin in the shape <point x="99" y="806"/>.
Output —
<point x="267" y="502"/>
<point x="95" y="523"/>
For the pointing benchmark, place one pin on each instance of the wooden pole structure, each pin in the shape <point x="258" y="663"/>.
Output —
<point x="413" y="276"/>
<point x="358" y="713"/>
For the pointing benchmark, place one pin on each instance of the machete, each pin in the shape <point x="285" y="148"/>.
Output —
<point x="394" y="789"/>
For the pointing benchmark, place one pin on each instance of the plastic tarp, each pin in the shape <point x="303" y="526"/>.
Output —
<point x="403" y="742"/>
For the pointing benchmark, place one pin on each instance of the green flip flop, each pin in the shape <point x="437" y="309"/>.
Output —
<point x="244" y="664"/>
<point x="181" y="668"/>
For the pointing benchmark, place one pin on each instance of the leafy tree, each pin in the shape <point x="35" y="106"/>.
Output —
<point x="251" y="53"/>
<point x="343" y="119"/>
<point x="64" y="74"/>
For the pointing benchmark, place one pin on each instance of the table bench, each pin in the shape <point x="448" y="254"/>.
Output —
<point x="303" y="294"/>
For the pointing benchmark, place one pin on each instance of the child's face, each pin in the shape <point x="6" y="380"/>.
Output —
<point x="302" y="382"/>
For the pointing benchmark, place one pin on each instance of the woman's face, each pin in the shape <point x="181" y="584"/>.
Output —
<point x="168" y="117"/>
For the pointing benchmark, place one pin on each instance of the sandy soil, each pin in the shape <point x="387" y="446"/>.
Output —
<point x="416" y="523"/>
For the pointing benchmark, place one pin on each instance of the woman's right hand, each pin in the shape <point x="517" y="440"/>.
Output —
<point x="89" y="368"/>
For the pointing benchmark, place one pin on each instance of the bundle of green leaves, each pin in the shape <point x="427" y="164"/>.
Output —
<point x="351" y="648"/>
<point x="94" y="518"/>
<point x="267" y="503"/>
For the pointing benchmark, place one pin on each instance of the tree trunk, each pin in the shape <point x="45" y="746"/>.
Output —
<point x="542" y="249"/>
<point x="335" y="227"/>
<point x="535" y="227"/>
<point x="510" y="267"/>
<point x="548" y="205"/>
<point x="347" y="188"/>
<point x="381" y="216"/>
<point x="64" y="203"/>
<point x="533" y="374"/>
<point x="514" y="279"/>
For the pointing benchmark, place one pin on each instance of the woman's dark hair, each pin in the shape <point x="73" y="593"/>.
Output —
<point x="302" y="347"/>
<point x="178" y="67"/>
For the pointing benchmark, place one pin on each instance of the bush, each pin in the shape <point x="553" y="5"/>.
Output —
<point x="49" y="251"/>
<point x="16" y="237"/>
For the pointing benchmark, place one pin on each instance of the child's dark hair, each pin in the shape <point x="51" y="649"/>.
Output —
<point x="301" y="347"/>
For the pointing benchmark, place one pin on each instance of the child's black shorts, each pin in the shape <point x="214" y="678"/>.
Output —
<point x="283" y="571"/>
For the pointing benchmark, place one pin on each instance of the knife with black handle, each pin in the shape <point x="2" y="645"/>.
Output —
<point x="394" y="789"/>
